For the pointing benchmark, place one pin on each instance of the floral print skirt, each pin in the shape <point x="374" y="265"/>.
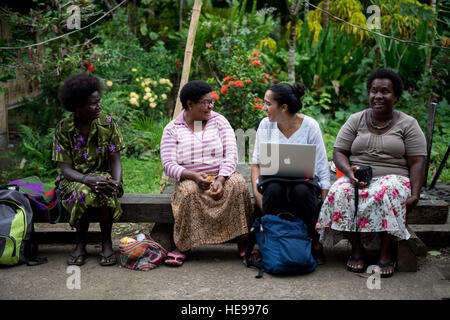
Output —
<point x="199" y="219"/>
<point x="77" y="197"/>
<point x="381" y="208"/>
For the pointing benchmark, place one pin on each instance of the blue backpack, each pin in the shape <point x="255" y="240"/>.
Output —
<point x="284" y="245"/>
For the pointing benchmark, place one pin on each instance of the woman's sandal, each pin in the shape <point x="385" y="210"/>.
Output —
<point x="357" y="261"/>
<point x="387" y="265"/>
<point x="176" y="259"/>
<point x="107" y="261"/>
<point x="76" y="260"/>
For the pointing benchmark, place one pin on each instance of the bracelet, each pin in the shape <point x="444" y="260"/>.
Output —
<point x="415" y="197"/>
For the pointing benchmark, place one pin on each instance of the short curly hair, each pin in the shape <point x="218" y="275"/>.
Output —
<point x="382" y="73"/>
<point x="194" y="90"/>
<point x="75" y="91"/>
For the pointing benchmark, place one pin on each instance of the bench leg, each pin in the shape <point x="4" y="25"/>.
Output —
<point x="163" y="234"/>
<point x="406" y="259"/>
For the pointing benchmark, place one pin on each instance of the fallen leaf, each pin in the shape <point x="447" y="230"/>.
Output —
<point x="434" y="253"/>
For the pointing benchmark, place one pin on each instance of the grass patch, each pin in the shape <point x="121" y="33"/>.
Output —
<point x="141" y="176"/>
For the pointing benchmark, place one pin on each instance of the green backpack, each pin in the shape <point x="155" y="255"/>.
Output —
<point x="16" y="229"/>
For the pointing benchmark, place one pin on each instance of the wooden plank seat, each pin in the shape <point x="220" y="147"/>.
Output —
<point x="156" y="208"/>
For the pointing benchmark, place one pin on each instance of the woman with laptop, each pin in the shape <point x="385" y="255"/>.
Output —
<point x="394" y="146"/>
<point x="283" y="186"/>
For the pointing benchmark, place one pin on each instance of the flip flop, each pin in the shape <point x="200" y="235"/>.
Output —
<point x="72" y="260"/>
<point x="108" y="261"/>
<point x="357" y="270"/>
<point x="255" y="253"/>
<point x="385" y="265"/>
<point x="176" y="261"/>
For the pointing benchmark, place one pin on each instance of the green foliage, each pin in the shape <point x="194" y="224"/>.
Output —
<point x="36" y="149"/>
<point x="147" y="136"/>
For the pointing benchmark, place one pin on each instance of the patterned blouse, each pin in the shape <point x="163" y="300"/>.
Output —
<point x="89" y="156"/>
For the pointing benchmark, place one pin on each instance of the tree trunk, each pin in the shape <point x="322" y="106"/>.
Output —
<point x="325" y="17"/>
<point x="428" y="50"/>
<point x="293" y="11"/>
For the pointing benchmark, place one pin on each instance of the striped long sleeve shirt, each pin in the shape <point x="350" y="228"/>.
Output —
<point x="212" y="150"/>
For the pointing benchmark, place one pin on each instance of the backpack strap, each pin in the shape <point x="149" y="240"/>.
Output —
<point x="251" y="241"/>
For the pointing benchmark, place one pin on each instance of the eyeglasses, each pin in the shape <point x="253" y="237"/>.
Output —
<point x="207" y="103"/>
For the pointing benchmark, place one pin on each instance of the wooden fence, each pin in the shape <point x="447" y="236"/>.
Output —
<point x="17" y="89"/>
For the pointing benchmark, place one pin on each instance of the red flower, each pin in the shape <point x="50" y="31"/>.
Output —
<point x="256" y="62"/>
<point x="384" y="224"/>
<point x="266" y="75"/>
<point x="227" y="79"/>
<point x="238" y="83"/>
<point x="91" y="68"/>
<point x="258" y="106"/>
<point x="248" y="81"/>
<point x="255" y="53"/>
<point x="215" y="95"/>
<point x="177" y="63"/>
<point x="224" y="89"/>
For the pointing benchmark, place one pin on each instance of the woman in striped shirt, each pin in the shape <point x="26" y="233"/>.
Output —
<point x="211" y="202"/>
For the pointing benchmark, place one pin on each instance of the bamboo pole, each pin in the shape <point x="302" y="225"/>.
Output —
<point x="188" y="52"/>
<point x="186" y="68"/>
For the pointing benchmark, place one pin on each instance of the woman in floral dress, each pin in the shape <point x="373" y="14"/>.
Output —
<point x="393" y="144"/>
<point x="87" y="147"/>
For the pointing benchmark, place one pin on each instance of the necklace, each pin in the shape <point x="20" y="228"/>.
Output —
<point x="380" y="127"/>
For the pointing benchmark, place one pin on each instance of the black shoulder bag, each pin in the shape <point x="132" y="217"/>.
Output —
<point x="364" y="174"/>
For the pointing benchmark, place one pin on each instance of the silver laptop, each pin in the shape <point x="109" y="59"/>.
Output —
<point x="287" y="160"/>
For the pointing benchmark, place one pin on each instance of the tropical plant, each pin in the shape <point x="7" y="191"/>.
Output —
<point x="244" y="83"/>
<point x="37" y="152"/>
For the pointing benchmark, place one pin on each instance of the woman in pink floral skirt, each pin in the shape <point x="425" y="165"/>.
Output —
<point x="393" y="144"/>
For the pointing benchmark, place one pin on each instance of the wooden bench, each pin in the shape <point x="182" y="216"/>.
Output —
<point x="156" y="208"/>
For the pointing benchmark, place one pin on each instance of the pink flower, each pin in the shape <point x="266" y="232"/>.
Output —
<point x="364" y="194"/>
<point x="383" y="189"/>
<point x="384" y="224"/>
<point x="331" y="198"/>
<point x="379" y="197"/>
<point x="407" y="184"/>
<point x="395" y="212"/>
<point x="346" y="190"/>
<point x="362" y="222"/>
<point x="336" y="216"/>
<point x="395" y="192"/>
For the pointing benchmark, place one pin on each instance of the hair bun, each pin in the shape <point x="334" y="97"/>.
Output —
<point x="299" y="90"/>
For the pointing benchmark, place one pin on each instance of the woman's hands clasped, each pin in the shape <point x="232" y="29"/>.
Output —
<point x="213" y="187"/>
<point x="106" y="187"/>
